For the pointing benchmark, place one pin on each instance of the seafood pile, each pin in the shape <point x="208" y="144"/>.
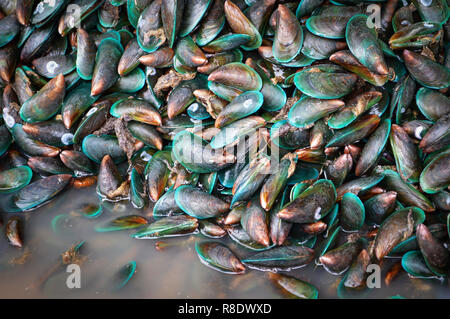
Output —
<point x="304" y="131"/>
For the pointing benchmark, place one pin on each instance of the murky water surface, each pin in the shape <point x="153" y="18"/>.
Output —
<point x="172" y="271"/>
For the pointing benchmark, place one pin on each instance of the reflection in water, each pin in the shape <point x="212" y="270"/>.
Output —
<point x="165" y="268"/>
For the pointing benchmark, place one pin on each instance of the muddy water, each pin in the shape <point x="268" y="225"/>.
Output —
<point x="172" y="271"/>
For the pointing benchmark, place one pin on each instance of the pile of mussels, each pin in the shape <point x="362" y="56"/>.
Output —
<point x="303" y="130"/>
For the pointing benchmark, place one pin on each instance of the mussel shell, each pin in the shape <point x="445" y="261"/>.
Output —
<point x="45" y="103"/>
<point x="192" y="15"/>
<point x="435" y="254"/>
<point x="166" y="205"/>
<point x="352" y="214"/>
<point x="157" y="174"/>
<point x="425" y="71"/>
<point x="373" y="148"/>
<point x="50" y="66"/>
<point x="212" y="24"/>
<point x="436" y="175"/>
<point x="232" y="132"/>
<point x="296" y="287"/>
<point x="50" y="132"/>
<point x="432" y="104"/>
<point x="396" y="228"/>
<point x="199" y="204"/>
<point x="308" y="110"/>
<point x="9" y="28"/>
<point x="97" y="146"/>
<point x="242" y="106"/>
<point x="240" y="24"/>
<point x="288" y="38"/>
<point x="435" y="11"/>
<point x="414" y="264"/>
<point x="40" y="191"/>
<point x="280" y="258"/>
<point x="149" y="32"/>
<point x="311" y="205"/>
<point x="106" y="62"/>
<point x="219" y="257"/>
<point x="324" y="85"/>
<point x="136" y="109"/>
<point x="168" y="227"/>
<point x="406" y="193"/>
<point x="171" y="13"/>
<point x="196" y="154"/>
<point x="48" y="166"/>
<point x="31" y="146"/>
<point x="339" y="259"/>
<point x="15" y="179"/>
<point x="122" y="223"/>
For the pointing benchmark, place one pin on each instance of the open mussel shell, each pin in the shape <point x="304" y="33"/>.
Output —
<point x="199" y="204"/>
<point x="168" y="227"/>
<point x="296" y="287"/>
<point x="15" y="179"/>
<point x="37" y="193"/>
<point x="283" y="258"/>
<point x="219" y="257"/>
